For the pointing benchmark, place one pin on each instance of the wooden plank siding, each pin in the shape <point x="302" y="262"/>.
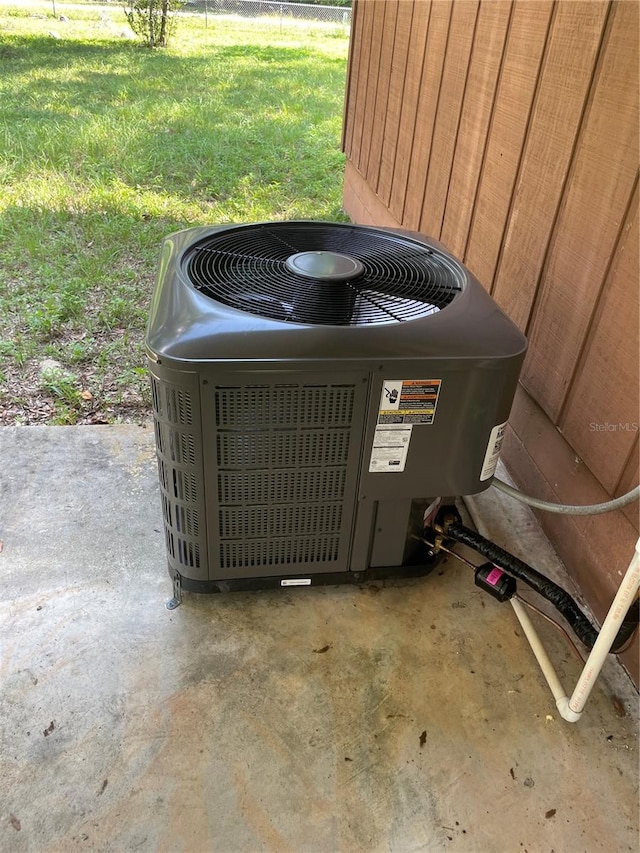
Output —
<point x="378" y="10"/>
<point x="437" y="36"/>
<point x="610" y="353"/>
<point x="604" y="171"/>
<point x="509" y="131"/>
<point x="479" y="98"/>
<point x="455" y="70"/>
<point x="408" y="118"/>
<point x="509" y="123"/>
<point x="397" y="75"/>
<point x="559" y="104"/>
<point x="356" y="96"/>
<point x="353" y="72"/>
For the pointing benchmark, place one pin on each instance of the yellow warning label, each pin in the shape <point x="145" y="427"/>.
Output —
<point x="409" y="401"/>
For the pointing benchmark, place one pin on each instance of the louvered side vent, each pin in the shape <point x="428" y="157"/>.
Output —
<point x="180" y="477"/>
<point x="282" y="454"/>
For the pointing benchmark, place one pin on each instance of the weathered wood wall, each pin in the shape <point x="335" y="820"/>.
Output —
<point x="509" y="131"/>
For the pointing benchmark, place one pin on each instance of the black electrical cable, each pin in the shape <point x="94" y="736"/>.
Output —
<point x="560" y="599"/>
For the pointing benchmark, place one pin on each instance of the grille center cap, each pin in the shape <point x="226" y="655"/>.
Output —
<point x="327" y="266"/>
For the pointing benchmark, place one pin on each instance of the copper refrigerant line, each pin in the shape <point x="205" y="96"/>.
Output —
<point x="498" y="578"/>
<point x="440" y="547"/>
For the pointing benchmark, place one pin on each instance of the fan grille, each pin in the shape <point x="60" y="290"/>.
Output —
<point x="246" y="268"/>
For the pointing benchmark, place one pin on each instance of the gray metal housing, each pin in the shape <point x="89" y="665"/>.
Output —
<point x="265" y="429"/>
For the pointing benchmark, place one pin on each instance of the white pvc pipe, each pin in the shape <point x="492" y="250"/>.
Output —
<point x="548" y="670"/>
<point x="571" y="709"/>
<point x="610" y="627"/>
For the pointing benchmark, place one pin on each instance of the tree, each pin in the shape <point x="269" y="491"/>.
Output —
<point x="152" y="20"/>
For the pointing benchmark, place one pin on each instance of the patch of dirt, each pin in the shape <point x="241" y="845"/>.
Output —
<point x="101" y="398"/>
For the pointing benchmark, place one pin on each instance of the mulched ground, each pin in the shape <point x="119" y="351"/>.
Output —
<point x="23" y="401"/>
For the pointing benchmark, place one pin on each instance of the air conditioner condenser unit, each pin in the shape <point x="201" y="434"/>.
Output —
<point x="317" y="389"/>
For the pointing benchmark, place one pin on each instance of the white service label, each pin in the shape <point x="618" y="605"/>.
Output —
<point x="390" y="448"/>
<point x="493" y="451"/>
<point x="295" y="582"/>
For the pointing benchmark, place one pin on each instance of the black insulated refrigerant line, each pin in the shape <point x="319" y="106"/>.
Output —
<point x="560" y="599"/>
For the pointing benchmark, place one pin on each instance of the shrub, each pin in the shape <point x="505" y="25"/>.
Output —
<point x="152" y="20"/>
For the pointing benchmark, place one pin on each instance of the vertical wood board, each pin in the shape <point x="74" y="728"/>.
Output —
<point x="601" y="419"/>
<point x="479" y="97"/>
<point x="516" y="88"/>
<point x="381" y="106"/>
<point x="409" y="108"/>
<point x="373" y="76"/>
<point x="397" y="82"/>
<point x="362" y="204"/>
<point x="447" y="118"/>
<point x="564" y="84"/>
<point x="366" y="13"/>
<point x="353" y="75"/>
<point x="426" y="113"/>
<point x="593" y="209"/>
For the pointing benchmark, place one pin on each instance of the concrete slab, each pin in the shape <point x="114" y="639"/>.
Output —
<point x="406" y="716"/>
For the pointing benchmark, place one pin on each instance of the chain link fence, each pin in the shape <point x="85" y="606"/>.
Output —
<point x="271" y="9"/>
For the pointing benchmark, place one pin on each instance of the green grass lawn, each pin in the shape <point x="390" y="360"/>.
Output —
<point x="106" y="146"/>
